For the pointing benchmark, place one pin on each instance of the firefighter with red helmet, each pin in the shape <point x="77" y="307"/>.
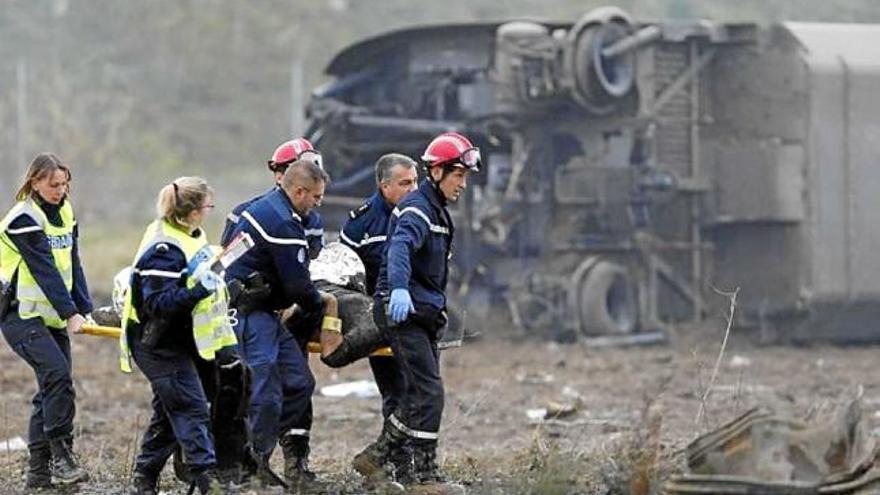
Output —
<point x="285" y="154"/>
<point x="365" y="231"/>
<point x="411" y="304"/>
<point x="293" y="371"/>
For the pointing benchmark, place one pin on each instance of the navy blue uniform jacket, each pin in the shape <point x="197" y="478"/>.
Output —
<point x="418" y="248"/>
<point x="280" y="252"/>
<point x="365" y="231"/>
<point x="313" y="225"/>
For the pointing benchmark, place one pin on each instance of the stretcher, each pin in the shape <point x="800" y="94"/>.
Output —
<point x="114" y="332"/>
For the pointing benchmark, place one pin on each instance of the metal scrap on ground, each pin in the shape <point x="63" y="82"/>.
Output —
<point x="762" y="452"/>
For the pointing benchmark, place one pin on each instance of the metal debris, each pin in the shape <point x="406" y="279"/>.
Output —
<point x="764" y="453"/>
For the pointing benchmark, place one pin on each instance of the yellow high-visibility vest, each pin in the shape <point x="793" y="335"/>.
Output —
<point x="32" y="302"/>
<point x="212" y="330"/>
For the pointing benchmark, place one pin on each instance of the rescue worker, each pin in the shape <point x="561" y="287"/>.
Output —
<point x="174" y="314"/>
<point x="411" y="300"/>
<point x="285" y="154"/>
<point x="313" y="225"/>
<point x="365" y="232"/>
<point x="282" y="387"/>
<point x="43" y="297"/>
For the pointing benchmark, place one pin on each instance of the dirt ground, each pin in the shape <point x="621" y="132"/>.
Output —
<point x="488" y="442"/>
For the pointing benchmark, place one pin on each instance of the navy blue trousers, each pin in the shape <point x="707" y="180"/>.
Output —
<point x="388" y="379"/>
<point x="419" y="403"/>
<point x="47" y="351"/>
<point x="282" y="387"/>
<point x="180" y="411"/>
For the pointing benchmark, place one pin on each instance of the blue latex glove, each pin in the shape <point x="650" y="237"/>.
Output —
<point x="210" y="281"/>
<point x="400" y="305"/>
<point x="199" y="262"/>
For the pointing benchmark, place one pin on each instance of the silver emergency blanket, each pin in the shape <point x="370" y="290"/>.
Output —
<point x="110" y="316"/>
<point x="120" y="288"/>
<point x="339" y="265"/>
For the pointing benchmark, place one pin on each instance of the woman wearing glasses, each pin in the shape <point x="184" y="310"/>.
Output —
<point x="174" y="314"/>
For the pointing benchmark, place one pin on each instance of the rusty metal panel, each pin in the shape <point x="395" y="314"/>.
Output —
<point x="763" y="453"/>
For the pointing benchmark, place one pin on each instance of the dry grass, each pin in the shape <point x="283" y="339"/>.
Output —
<point x="487" y="441"/>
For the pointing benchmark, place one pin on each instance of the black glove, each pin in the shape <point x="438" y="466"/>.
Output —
<point x="227" y="356"/>
<point x="5" y="298"/>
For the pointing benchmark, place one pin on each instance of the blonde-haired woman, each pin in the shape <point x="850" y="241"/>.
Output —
<point x="175" y="313"/>
<point x="44" y="296"/>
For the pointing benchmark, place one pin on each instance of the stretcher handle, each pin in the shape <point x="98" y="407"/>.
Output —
<point x="113" y="333"/>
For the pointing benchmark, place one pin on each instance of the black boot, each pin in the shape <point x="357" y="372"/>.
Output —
<point x="39" y="475"/>
<point x="264" y="472"/>
<point x="429" y="480"/>
<point x="425" y="462"/>
<point x="65" y="467"/>
<point x="207" y="481"/>
<point x="144" y="483"/>
<point x="249" y="465"/>
<point x="296" y="459"/>
<point x="370" y="462"/>
<point x="399" y="463"/>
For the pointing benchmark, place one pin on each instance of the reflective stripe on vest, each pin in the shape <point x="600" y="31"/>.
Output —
<point x="212" y="330"/>
<point x="32" y="301"/>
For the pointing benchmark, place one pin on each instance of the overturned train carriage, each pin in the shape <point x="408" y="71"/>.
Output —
<point x="634" y="167"/>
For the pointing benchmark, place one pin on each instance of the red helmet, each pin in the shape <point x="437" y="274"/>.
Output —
<point x="290" y="151"/>
<point x="451" y="148"/>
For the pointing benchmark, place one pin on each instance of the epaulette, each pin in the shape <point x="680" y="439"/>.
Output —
<point x="360" y="210"/>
